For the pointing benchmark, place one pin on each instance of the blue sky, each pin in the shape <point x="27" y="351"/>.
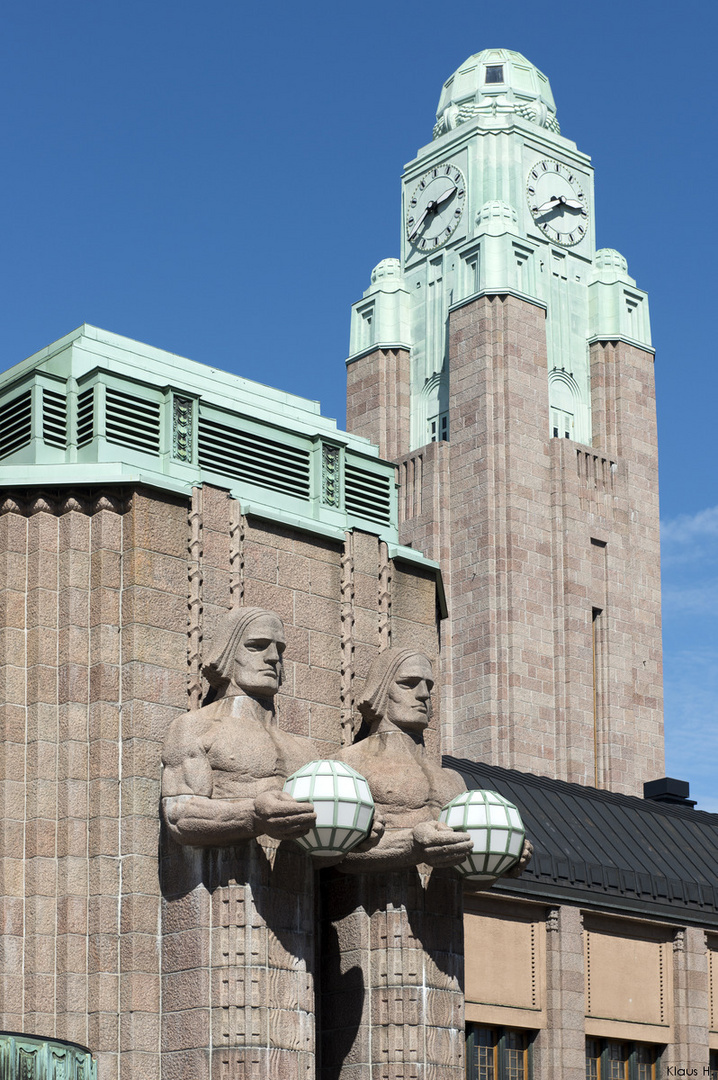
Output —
<point x="219" y="179"/>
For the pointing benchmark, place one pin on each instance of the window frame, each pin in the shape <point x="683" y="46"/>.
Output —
<point x="630" y="1059"/>
<point x="501" y="1065"/>
<point x="493" y="81"/>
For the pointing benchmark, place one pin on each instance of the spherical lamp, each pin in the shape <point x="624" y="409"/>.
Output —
<point x="342" y="802"/>
<point x="495" y="826"/>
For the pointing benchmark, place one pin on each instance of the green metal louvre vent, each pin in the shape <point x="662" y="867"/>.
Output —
<point x="15" y="424"/>
<point x="85" y="416"/>
<point x="132" y="421"/>
<point x="246" y="456"/>
<point x="54" y="418"/>
<point x="367" y="495"/>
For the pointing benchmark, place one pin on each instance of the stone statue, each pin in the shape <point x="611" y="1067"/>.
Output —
<point x="225" y="763"/>
<point x="409" y="789"/>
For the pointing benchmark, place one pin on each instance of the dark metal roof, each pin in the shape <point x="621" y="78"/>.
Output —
<point x="608" y="851"/>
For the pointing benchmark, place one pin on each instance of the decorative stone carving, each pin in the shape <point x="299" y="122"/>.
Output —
<point x="409" y="789"/>
<point x="225" y="763"/>
<point x="85" y="500"/>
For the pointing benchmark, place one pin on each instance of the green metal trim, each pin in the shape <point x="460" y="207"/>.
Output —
<point x="498" y="292"/>
<point x="37" y="1058"/>
<point x="596" y="338"/>
<point x="373" y="348"/>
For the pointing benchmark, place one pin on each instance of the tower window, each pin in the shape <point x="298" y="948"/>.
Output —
<point x="494" y="73"/>
<point x="562" y="426"/>
<point x="439" y="427"/>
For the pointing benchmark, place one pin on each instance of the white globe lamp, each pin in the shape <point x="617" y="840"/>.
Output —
<point x="495" y="826"/>
<point x="342" y="802"/>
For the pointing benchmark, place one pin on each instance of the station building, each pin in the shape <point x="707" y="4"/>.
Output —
<point x="493" y="503"/>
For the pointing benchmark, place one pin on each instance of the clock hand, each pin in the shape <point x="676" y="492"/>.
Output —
<point x="431" y="208"/>
<point x="573" y="204"/>
<point x="445" y="195"/>
<point x="415" y="230"/>
<point x="553" y="201"/>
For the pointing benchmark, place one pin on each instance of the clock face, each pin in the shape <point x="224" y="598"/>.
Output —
<point x="435" y="207"/>
<point x="557" y="202"/>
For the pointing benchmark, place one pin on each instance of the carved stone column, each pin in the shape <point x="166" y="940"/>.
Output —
<point x="238" y="962"/>
<point x="392" y="1005"/>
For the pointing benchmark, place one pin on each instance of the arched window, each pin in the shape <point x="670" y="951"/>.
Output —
<point x="434" y="410"/>
<point x="564" y="403"/>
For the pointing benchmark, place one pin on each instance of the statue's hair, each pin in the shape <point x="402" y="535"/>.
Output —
<point x="218" y="668"/>
<point x="372" y="704"/>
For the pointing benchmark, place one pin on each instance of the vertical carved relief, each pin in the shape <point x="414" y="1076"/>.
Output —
<point x="347" y="640"/>
<point x="236" y="554"/>
<point x="194" y="622"/>
<point x="712" y="1011"/>
<point x="384" y="597"/>
<point x="552" y="921"/>
<point x="331" y="471"/>
<point x="534" y="966"/>
<point x="182" y="428"/>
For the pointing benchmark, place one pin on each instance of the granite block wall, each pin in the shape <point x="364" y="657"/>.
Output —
<point x="114" y="939"/>
<point x="551" y="655"/>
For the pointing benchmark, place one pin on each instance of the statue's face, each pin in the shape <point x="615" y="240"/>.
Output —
<point x="258" y="663"/>
<point x="409" y="698"/>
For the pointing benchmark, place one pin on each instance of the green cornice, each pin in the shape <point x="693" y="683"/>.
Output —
<point x="378" y="345"/>
<point x="605" y="338"/>
<point x="98" y="409"/>
<point x="498" y="292"/>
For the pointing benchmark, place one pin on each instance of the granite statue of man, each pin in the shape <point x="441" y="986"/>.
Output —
<point x="225" y="763"/>
<point x="409" y="788"/>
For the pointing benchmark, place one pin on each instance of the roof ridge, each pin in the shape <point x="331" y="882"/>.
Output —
<point x="636" y="801"/>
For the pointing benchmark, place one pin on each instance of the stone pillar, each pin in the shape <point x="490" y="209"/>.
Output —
<point x="392" y="1005"/>
<point x="560" y="1049"/>
<point x="624" y="428"/>
<point x="378" y="406"/>
<point x="238" y="962"/>
<point x="689" y="1048"/>
<point x="501" y="597"/>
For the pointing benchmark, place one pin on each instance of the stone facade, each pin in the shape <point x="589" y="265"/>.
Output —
<point x="618" y="980"/>
<point x="108" y="598"/>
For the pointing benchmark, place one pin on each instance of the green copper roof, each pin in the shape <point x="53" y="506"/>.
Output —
<point x="97" y="408"/>
<point x="496" y="82"/>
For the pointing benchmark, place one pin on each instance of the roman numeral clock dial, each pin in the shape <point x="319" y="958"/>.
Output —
<point x="557" y="202"/>
<point x="435" y="207"/>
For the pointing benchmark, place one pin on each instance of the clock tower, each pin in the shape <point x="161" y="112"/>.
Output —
<point x="505" y="364"/>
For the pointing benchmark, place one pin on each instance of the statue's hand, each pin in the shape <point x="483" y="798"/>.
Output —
<point x="440" y="845"/>
<point x="280" y="815"/>
<point x="377" y="831"/>
<point x="526" y="856"/>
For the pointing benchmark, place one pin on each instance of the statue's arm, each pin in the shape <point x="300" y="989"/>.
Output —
<point x="401" y="843"/>
<point x="429" y="842"/>
<point x="194" y="817"/>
